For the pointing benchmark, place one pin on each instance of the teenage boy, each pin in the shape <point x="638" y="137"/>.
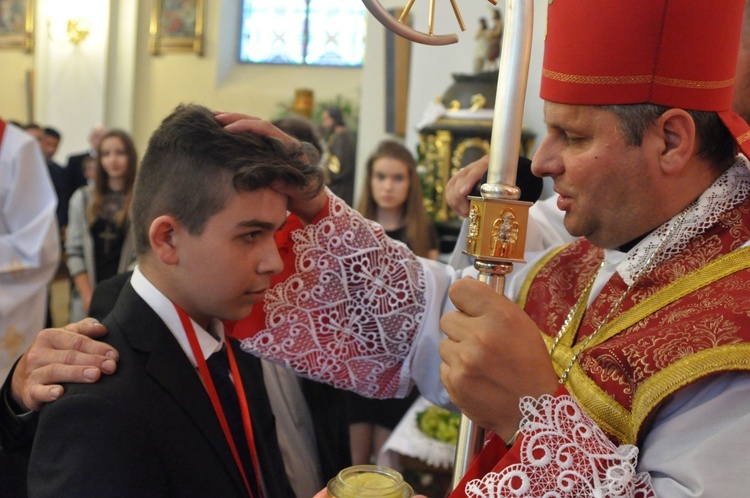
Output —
<point x="206" y="206"/>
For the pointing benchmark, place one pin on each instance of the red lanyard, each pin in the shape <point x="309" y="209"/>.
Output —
<point x="212" y="394"/>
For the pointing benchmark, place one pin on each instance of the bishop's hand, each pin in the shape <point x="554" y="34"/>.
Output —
<point x="493" y="356"/>
<point x="305" y="202"/>
<point x="461" y="184"/>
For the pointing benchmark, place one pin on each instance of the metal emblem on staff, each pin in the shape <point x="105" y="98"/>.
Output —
<point x="497" y="230"/>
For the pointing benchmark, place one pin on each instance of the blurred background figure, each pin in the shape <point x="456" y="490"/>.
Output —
<point x="302" y="129"/>
<point x="34" y="130"/>
<point x="75" y="170"/>
<point x="99" y="242"/>
<point x="50" y="141"/>
<point x="89" y="169"/>
<point x="391" y="196"/>
<point x="342" y="150"/>
<point x="29" y="242"/>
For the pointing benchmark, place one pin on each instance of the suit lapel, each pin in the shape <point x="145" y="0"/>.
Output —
<point x="168" y="366"/>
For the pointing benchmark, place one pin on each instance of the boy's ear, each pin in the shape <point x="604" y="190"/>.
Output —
<point x="161" y="234"/>
<point x="677" y="129"/>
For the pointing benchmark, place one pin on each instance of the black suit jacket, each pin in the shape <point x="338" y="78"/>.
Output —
<point x="60" y="181"/>
<point x="149" y="429"/>
<point x="327" y="405"/>
<point x="76" y="178"/>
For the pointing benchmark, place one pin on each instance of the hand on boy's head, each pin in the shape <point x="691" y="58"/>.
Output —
<point x="306" y="202"/>
<point x="70" y="354"/>
<point x="242" y="123"/>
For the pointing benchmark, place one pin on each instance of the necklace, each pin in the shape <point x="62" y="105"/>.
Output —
<point x="575" y="315"/>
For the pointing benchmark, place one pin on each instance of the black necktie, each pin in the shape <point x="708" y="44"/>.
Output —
<point x="218" y="366"/>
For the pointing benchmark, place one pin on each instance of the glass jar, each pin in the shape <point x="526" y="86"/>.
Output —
<point x="363" y="481"/>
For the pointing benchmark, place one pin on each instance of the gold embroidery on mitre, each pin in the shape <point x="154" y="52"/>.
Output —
<point x="743" y="138"/>
<point x="635" y="80"/>
<point x="597" y="80"/>
<point x="702" y="85"/>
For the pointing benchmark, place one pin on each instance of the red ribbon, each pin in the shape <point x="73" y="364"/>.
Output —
<point x="213" y="395"/>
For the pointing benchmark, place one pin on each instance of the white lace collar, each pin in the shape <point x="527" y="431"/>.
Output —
<point x="729" y="190"/>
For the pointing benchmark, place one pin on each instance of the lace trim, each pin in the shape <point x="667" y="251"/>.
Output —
<point x="349" y="313"/>
<point x="564" y="454"/>
<point x="729" y="190"/>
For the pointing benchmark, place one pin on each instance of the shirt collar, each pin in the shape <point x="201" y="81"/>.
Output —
<point x="164" y="308"/>
<point x="728" y="191"/>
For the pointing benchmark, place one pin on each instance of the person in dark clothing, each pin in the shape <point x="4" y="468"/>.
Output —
<point x="342" y="150"/>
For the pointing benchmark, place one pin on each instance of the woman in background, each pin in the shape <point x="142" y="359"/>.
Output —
<point x="391" y="196"/>
<point x="99" y="243"/>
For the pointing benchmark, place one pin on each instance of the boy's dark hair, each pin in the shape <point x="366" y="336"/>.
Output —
<point x="192" y="165"/>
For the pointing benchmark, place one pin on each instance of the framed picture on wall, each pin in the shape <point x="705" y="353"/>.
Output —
<point x="17" y="24"/>
<point x="177" y="26"/>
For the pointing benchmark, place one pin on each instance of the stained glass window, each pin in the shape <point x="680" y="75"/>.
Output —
<point x="311" y="32"/>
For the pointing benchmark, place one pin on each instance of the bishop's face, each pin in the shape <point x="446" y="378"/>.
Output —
<point x="604" y="184"/>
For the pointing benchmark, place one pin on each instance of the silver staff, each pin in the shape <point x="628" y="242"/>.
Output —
<point x="497" y="220"/>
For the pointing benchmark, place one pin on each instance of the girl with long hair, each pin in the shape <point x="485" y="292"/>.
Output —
<point x="392" y="196"/>
<point x="99" y="243"/>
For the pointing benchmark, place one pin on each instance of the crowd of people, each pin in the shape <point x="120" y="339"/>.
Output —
<point x="615" y="365"/>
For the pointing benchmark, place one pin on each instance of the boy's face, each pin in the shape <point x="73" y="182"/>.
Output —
<point x="226" y="269"/>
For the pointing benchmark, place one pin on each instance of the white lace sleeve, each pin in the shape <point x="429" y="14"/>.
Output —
<point x="349" y="313"/>
<point x="564" y="453"/>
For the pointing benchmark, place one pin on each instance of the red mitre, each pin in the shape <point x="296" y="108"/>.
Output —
<point x="675" y="53"/>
